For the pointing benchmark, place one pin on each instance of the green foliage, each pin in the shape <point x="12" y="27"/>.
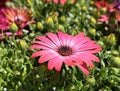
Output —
<point x="18" y="72"/>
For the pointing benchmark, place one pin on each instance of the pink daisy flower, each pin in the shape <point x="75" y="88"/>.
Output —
<point x="21" y="17"/>
<point x="101" y="4"/>
<point x="63" y="48"/>
<point x="62" y="2"/>
<point x="104" y="18"/>
<point x="112" y="7"/>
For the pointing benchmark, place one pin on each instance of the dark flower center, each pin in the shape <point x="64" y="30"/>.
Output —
<point x="65" y="51"/>
<point x="18" y="20"/>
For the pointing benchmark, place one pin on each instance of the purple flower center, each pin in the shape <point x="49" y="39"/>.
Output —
<point x="65" y="51"/>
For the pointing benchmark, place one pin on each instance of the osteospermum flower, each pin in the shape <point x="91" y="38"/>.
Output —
<point x="104" y="18"/>
<point x="20" y="17"/>
<point x="63" y="48"/>
<point x="62" y="2"/>
<point x="101" y="4"/>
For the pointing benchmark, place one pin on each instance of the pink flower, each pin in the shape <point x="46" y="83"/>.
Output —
<point x="111" y="7"/>
<point x="21" y="17"/>
<point x="62" y="2"/>
<point x="63" y="48"/>
<point x="104" y="18"/>
<point x="101" y="4"/>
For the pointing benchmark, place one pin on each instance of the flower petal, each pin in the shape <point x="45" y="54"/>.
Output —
<point x="84" y="68"/>
<point x="55" y="63"/>
<point x="91" y="56"/>
<point x="68" y="60"/>
<point x="39" y="53"/>
<point x="65" y="39"/>
<point x="87" y="60"/>
<point x="36" y="46"/>
<point x="58" y="64"/>
<point x="89" y="47"/>
<point x="46" y="40"/>
<point x="44" y="44"/>
<point x="47" y="57"/>
<point x="53" y="38"/>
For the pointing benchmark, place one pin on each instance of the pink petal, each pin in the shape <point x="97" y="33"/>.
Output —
<point x="47" y="57"/>
<point x="89" y="47"/>
<point x="58" y="64"/>
<point x="55" y="62"/>
<point x="44" y="44"/>
<point x="65" y="39"/>
<point x="46" y="40"/>
<point x="55" y="1"/>
<point x="77" y="59"/>
<point x="51" y="64"/>
<point x="68" y="60"/>
<point x="39" y="53"/>
<point x="54" y="38"/>
<point x="87" y="60"/>
<point x="62" y="2"/>
<point x="76" y="38"/>
<point x="76" y="43"/>
<point x="91" y="57"/>
<point x="84" y="68"/>
<point x="36" y="46"/>
<point x="90" y="51"/>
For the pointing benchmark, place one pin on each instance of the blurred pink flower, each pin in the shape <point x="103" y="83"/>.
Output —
<point x="63" y="48"/>
<point x="104" y="18"/>
<point x="62" y="2"/>
<point x="101" y="4"/>
<point x="21" y="17"/>
<point x="111" y="7"/>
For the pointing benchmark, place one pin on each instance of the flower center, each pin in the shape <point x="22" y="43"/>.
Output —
<point x="65" y="51"/>
<point x="18" y="20"/>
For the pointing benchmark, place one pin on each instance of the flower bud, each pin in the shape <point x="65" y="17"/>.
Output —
<point x="60" y="27"/>
<point x="13" y="28"/>
<point x="50" y="22"/>
<point x="115" y="62"/>
<point x="100" y="42"/>
<point x="32" y="35"/>
<point x="93" y="20"/>
<point x="92" y="32"/>
<point x="98" y="13"/>
<point x="104" y="10"/>
<point x="55" y="18"/>
<point x="91" y="2"/>
<point x="23" y="44"/>
<point x="115" y="52"/>
<point x="91" y="80"/>
<point x="62" y="19"/>
<point x="115" y="70"/>
<point x="84" y="8"/>
<point x="74" y="32"/>
<point x="29" y="3"/>
<point x="111" y="39"/>
<point x="40" y="26"/>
